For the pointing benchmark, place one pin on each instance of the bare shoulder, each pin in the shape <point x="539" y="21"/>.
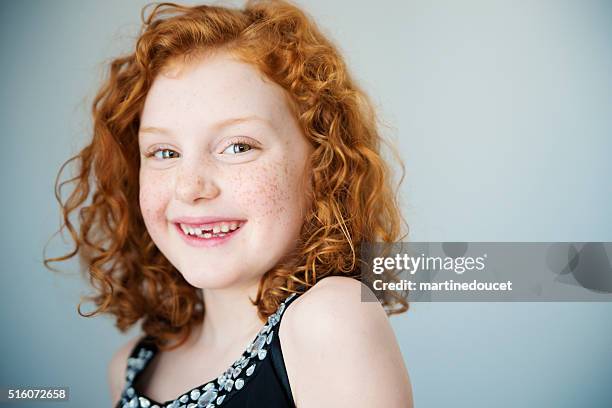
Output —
<point x="343" y="349"/>
<point x="117" y="369"/>
<point x="334" y="304"/>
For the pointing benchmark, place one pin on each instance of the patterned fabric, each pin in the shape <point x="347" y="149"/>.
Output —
<point x="257" y="378"/>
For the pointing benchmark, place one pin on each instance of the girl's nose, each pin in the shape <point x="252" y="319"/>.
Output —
<point x="192" y="186"/>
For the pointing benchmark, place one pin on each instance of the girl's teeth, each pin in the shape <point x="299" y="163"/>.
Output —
<point x="208" y="235"/>
<point x="218" y="230"/>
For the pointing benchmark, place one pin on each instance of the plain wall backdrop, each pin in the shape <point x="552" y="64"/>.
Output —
<point x="502" y="110"/>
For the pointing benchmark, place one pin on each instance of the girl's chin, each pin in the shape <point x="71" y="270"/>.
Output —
<point x="216" y="279"/>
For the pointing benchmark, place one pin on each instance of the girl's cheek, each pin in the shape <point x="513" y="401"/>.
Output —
<point x="153" y="199"/>
<point x="266" y="189"/>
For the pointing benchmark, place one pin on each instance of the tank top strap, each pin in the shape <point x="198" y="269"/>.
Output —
<point x="141" y="355"/>
<point x="276" y="352"/>
<point x="289" y="299"/>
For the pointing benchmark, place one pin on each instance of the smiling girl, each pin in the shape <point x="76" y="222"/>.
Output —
<point x="234" y="173"/>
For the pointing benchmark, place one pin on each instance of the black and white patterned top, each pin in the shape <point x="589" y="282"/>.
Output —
<point x="258" y="378"/>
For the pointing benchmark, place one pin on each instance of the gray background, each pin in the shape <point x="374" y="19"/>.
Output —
<point x="502" y="111"/>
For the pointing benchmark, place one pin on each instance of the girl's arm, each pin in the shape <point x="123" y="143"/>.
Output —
<point x="340" y="351"/>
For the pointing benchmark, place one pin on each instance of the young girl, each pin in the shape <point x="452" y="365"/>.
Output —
<point x="234" y="173"/>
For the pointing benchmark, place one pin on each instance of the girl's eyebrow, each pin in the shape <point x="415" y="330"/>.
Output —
<point x="216" y="126"/>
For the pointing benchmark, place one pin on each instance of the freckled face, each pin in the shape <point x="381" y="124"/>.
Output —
<point x="204" y="164"/>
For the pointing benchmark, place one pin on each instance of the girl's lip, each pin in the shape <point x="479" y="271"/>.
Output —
<point x="206" y="242"/>
<point x="204" y="220"/>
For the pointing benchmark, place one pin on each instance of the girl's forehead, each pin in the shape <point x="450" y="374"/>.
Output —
<point x="220" y="85"/>
<point x="216" y="89"/>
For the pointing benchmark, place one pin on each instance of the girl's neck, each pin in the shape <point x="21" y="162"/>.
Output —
<point x="229" y="316"/>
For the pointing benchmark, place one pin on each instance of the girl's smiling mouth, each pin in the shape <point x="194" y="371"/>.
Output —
<point x="208" y="234"/>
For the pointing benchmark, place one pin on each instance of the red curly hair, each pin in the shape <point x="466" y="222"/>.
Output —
<point x="352" y="198"/>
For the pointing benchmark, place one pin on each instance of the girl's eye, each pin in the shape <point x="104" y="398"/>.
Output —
<point x="236" y="148"/>
<point x="163" y="154"/>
